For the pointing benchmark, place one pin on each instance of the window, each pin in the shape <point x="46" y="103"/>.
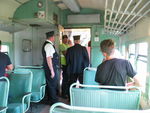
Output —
<point x="5" y="49"/>
<point x="138" y="56"/>
<point x="85" y="34"/>
<point x="132" y="54"/>
<point x="142" y="63"/>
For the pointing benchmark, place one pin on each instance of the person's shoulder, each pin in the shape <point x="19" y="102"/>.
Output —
<point x="3" y="54"/>
<point x="83" y="47"/>
<point x="61" y="46"/>
<point x="70" y="48"/>
<point x="121" y="60"/>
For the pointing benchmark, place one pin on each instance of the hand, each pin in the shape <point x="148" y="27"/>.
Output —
<point x="61" y="75"/>
<point x="130" y="84"/>
<point x="52" y="74"/>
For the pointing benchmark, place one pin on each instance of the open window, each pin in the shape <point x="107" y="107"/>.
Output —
<point x="142" y="57"/>
<point x="132" y="54"/>
<point x="138" y="56"/>
<point x="5" y="49"/>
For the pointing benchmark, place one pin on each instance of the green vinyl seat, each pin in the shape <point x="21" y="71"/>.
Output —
<point x="20" y="91"/>
<point x="89" y="76"/>
<point x="104" y="98"/>
<point x="4" y="89"/>
<point x="64" y="108"/>
<point x="38" y="83"/>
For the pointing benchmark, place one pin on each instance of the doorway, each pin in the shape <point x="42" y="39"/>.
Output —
<point x="85" y="35"/>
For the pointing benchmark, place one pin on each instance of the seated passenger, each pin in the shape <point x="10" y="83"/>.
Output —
<point x="114" y="71"/>
<point x="5" y="63"/>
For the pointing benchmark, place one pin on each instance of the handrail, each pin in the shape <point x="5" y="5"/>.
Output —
<point x="62" y="105"/>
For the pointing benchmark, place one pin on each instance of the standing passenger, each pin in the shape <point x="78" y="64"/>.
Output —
<point x="77" y="59"/>
<point x="114" y="71"/>
<point x="63" y="48"/>
<point x="5" y="63"/>
<point x="51" y="65"/>
<point x="70" y="43"/>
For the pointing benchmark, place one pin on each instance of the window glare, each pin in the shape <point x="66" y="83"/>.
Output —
<point x="143" y="47"/>
<point x="132" y="48"/>
<point x="5" y="49"/>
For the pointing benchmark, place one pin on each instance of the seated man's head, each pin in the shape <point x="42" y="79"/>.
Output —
<point x="107" y="47"/>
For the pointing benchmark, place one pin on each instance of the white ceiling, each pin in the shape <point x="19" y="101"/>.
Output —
<point x="11" y="5"/>
<point x="93" y="4"/>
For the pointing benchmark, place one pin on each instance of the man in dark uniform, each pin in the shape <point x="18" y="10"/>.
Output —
<point x="51" y="65"/>
<point x="77" y="59"/>
<point x="114" y="71"/>
<point x="5" y="63"/>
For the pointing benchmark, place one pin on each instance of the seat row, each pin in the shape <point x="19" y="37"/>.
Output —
<point x="100" y="99"/>
<point x="90" y="97"/>
<point x="24" y="85"/>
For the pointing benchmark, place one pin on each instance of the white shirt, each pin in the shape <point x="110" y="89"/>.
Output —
<point x="49" y="49"/>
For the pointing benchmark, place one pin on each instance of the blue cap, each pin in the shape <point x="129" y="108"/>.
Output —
<point x="50" y="34"/>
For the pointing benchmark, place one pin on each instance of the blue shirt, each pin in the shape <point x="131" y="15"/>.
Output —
<point x="4" y="62"/>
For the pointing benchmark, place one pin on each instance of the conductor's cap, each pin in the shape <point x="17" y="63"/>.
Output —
<point x="77" y="37"/>
<point x="50" y="34"/>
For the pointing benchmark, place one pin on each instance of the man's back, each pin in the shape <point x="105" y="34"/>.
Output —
<point x="114" y="72"/>
<point x="77" y="59"/>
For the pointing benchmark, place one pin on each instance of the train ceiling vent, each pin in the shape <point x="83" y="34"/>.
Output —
<point x="121" y="15"/>
<point x="84" y="19"/>
<point x="35" y="25"/>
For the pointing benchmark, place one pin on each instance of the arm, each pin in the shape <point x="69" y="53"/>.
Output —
<point x="86" y="57"/>
<point x="9" y="67"/>
<point x="136" y="81"/>
<point x="50" y="65"/>
<point x="9" y="64"/>
<point x="64" y="53"/>
<point x="132" y="74"/>
<point x="49" y="55"/>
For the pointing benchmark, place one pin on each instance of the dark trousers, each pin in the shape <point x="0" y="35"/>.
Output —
<point x="65" y="84"/>
<point x="74" y="77"/>
<point x="52" y="86"/>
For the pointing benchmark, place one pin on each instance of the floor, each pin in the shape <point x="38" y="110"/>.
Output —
<point x="41" y="107"/>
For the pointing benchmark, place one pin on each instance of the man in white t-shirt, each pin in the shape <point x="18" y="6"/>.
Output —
<point x="51" y="65"/>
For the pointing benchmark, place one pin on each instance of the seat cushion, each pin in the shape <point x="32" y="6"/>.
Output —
<point x="35" y="96"/>
<point x="15" y="108"/>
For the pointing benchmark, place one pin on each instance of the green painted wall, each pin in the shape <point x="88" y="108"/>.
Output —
<point x="29" y="10"/>
<point x="98" y="35"/>
<point x="67" y="12"/>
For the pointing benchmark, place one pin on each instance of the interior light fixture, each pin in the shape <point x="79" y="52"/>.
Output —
<point x="72" y="5"/>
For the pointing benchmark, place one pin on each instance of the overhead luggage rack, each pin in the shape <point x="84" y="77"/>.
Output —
<point x="121" y="15"/>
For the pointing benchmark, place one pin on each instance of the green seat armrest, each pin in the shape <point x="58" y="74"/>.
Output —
<point x="42" y="90"/>
<point x="26" y="96"/>
<point x="43" y="85"/>
<point x="2" y="109"/>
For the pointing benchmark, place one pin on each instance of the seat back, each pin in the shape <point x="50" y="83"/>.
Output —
<point x="38" y="80"/>
<point x="20" y="84"/>
<point x="105" y="98"/>
<point x="4" y="89"/>
<point x="89" y="76"/>
<point x="63" y="108"/>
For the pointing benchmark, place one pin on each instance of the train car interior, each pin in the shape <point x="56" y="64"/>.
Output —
<point x="23" y="24"/>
